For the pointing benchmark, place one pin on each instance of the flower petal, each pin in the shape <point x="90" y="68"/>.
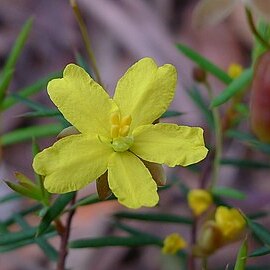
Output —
<point x="209" y="12"/>
<point x="131" y="182"/>
<point x="145" y="91"/>
<point x="262" y="7"/>
<point x="83" y="102"/>
<point x="72" y="163"/>
<point x="170" y="144"/>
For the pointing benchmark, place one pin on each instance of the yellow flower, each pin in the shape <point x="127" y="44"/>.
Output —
<point x="173" y="243"/>
<point x="235" y="70"/>
<point x="116" y="134"/>
<point x="230" y="222"/>
<point x="209" y="12"/>
<point x="199" y="201"/>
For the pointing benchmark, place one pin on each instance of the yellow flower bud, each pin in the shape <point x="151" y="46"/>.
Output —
<point x="173" y="243"/>
<point x="235" y="70"/>
<point x="209" y="240"/>
<point x="230" y="222"/>
<point x="199" y="200"/>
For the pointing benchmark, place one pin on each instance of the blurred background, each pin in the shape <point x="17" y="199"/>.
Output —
<point x="121" y="31"/>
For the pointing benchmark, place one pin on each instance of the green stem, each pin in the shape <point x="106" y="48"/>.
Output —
<point x="254" y="30"/>
<point x="204" y="264"/>
<point x="218" y="140"/>
<point x="86" y="39"/>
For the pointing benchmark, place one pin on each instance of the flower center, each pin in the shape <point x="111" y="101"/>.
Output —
<point x="120" y="127"/>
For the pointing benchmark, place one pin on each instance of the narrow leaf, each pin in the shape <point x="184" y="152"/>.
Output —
<point x="233" y="88"/>
<point x="54" y="211"/>
<point x="260" y="231"/>
<point x="229" y="193"/>
<point x="25" y="134"/>
<point x="30" y="193"/>
<point x="260" y="252"/>
<point x="202" y="105"/>
<point x="169" y="114"/>
<point x="204" y="63"/>
<point x="132" y="241"/>
<point x="241" y="257"/>
<point x="245" y="163"/>
<point x="29" y="90"/>
<point x="156" y="217"/>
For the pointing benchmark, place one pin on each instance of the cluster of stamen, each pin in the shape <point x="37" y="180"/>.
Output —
<point x="119" y="125"/>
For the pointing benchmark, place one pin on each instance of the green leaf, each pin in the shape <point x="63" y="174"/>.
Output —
<point x="10" y="197"/>
<point x="197" y="98"/>
<point x="233" y="88"/>
<point x="132" y="241"/>
<point x="28" y="133"/>
<point x="22" y="213"/>
<point x="155" y="217"/>
<point x="260" y="252"/>
<point x="5" y="81"/>
<point x="29" y="90"/>
<point x="47" y="248"/>
<point x="54" y="211"/>
<point x="13" y="237"/>
<point x="18" y="45"/>
<point x="260" y="231"/>
<point x="27" y="192"/>
<point x="204" y="63"/>
<point x="169" y="114"/>
<point x="245" y="163"/>
<point x="16" y="50"/>
<point x="249" y="139"/>
<point x="23" y="243"/>
<point x="229" y="193"/>
<point x="241" y="257"/>
<point x="42" y="113"/>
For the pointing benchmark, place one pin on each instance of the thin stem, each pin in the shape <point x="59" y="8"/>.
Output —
<point x="218" y="140"/>
<point x="204" y="264"/>
<point x="86" y="39"/>
<point x="191" y="260"/>
<point x="254" y="30"/>
<point x="64" y="235"/>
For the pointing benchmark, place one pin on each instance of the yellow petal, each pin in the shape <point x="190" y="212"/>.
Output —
<point x="262" y="7"/>
<point x="170" y="144"/>
<point x="209" y="12"/>
<point x="67" y="132"/>
<point x="83" y="102"/>
<point x="145" y="91"/>
<point x="72" y="163"/>
<point x="199" y="200"/>
<point x="131" y="182"/>
<point x="173" y="243"/>
<point x="230" y="222"/>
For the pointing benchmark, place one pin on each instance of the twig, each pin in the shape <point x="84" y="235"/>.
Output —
<point x="65" y="237"/>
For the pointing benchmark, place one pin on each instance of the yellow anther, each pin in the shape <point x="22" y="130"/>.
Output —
<point x="126" y="120"/>
<point x="115" y="118"/>
<point x="115" y="131"/>
<point x="124" y="131"/>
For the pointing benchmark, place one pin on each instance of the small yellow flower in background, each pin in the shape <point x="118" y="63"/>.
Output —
<point x="199" y="200"/>
<point x="116" y="135"/>
<point x="227" y="227"/>
<point x="173" y="243"/>
<point x="235" y="70"/>
<point x="230" y="222"/>
<point x="210" y="12"/>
